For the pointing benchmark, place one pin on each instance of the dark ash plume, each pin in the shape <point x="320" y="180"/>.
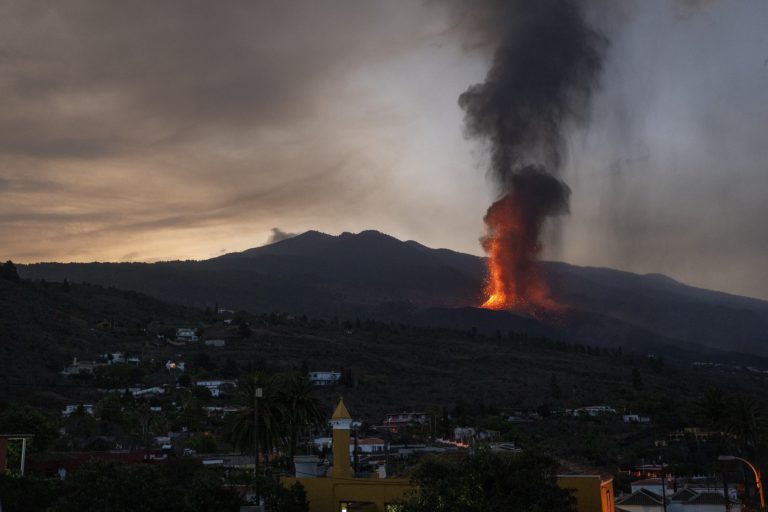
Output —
<point x="543" y="73"/>
<point x="545" y="67"/>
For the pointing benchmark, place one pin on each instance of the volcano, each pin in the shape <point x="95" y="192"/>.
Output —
<point x="371" y="274"/>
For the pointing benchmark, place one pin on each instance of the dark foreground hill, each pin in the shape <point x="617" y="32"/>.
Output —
<point x="389" y="366"/>
<point x="43" y="326"/>
<point x="371" y="274"/>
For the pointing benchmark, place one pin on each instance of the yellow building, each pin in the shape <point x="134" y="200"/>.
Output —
<point x="593" y="493"/>
<point x="341" y="491"/>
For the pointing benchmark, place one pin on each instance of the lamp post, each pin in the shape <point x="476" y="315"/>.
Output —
<point x="758" y="482"/>
<point x="257" y="392"/>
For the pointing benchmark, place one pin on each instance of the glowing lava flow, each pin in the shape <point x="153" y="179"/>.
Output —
<point x="515" y="280"/>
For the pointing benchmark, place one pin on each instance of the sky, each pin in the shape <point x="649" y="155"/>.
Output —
<point x="177" y="129"/>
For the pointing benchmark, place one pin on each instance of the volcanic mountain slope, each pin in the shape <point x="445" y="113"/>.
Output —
<point x="44" y="325"/>
<point x="373" y="274"/>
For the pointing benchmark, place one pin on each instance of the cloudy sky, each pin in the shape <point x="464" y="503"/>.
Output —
<point x="184" y="129"/>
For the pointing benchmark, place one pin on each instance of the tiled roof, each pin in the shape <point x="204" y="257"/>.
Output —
<point x="708" y="498"/>
<point x="643" y="498"/>
<point x="683" y="495"/>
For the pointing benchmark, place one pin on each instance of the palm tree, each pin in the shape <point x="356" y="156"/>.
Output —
<point x="715" y="408"/>
<point x="270" y="413"/>
<point x="301" y="408"/>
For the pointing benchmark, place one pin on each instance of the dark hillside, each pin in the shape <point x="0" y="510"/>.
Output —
<point x="371" y="274"/>
<point x="44" y="325"/>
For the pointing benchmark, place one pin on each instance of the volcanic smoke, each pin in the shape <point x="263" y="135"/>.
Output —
<point x="544" y="70"/>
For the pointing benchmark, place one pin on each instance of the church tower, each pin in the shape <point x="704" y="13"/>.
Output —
<point x="341" y="421"/>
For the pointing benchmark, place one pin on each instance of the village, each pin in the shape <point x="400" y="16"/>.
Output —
<point x="168" y="395"/>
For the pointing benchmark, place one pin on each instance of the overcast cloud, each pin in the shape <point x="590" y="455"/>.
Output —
<point x="178" y="129"/>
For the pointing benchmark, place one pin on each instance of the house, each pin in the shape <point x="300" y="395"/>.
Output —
<point x="463" y="434"/>
<point x="687" y="499"/>
<point x="174" y="365"/>
<point x="635" y="418"/>
<point x="592" y="410"/>
<point x="221" y="412"/>
<point x="217" y="386"/>
<point x="114" y="357"/>
<point x="72" y="408"/>
<point x="186" y="334"/>
<point x="651" y="484"/>
<point x="215" y="343"/>
<point x="642" y="500"/>
<point x="403" y="419"/>
<point x="153" y="391"/>
<point x="593" y="493"/>
<point x="368" y="445"/>
<point x="81" y="367"/>
<point x="324" y="378"/>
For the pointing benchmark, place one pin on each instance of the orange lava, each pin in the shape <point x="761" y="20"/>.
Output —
<point x="514" y="280"/>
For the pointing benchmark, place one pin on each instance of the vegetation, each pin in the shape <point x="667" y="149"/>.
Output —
<point x="286" y="408"/>
<point x="181" y="486"/>
<point x="487" y="482"/>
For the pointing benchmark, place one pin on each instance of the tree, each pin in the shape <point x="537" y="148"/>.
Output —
<point x="302" y="409"/>
<point x="487" y="482"/>
<point x="230" y="369"/>
<point x="280" y="499"/>
<point x="9" y="272"/>
<point x="176" y="486"/>
<point x="286" y="407"/>
<point x="637" y="379"/>
<point x="28" y="493"/>
<point x="202" y="361"/>
<point x="22" y="419"/>
<point x="203" y="442"/>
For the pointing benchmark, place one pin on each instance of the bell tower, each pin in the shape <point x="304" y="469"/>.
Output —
<point x="341" y="422"/>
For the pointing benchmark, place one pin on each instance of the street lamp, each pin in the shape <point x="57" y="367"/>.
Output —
<point x="754" y="470"/>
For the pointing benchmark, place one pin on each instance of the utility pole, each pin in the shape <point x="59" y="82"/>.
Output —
<point x="663" y="488"/>
<point x="256" y="395"/>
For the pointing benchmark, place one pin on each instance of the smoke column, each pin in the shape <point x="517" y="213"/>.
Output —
<point x="544" y="69"/>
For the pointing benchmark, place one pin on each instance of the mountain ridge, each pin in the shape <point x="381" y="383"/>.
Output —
<point x="372" y="273"/>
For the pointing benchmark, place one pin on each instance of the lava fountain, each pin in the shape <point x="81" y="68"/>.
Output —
<point x="514" y="224"/>
<point x="546" y="64"/>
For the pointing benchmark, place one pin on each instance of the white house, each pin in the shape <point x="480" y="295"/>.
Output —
<point x="80" y="367"/>
<point x="635" y="418"/>
<point x="174" y="365"/>
<point x="463" y="434"/>
<point x="368" y="445"/>
<point x="323" y="378"/>
<point x="216" y="386"/>
<point x="186" y="334"/>
<point x="70" y="409"/>
<point x="405" y="418"/>
<point x="592" y="410"/>
<point x="322" y="442"/>
<point x="651" y="484"/>
<point x="153" y="391"/>
<point x="640" y="501"/>
<point x="687" y="499"/>
<point x="114" y="357"/>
